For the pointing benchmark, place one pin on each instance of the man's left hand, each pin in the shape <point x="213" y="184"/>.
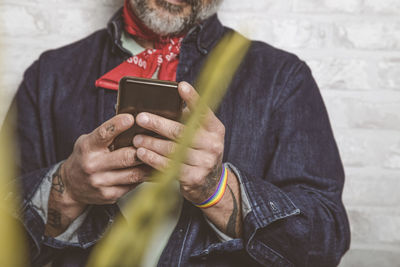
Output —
<point x="202" y="168"/>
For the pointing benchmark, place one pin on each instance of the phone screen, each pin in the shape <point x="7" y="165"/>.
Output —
<point x="150" y="96"/>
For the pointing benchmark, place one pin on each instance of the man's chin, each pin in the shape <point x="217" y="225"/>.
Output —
<point x="172" y="17"/>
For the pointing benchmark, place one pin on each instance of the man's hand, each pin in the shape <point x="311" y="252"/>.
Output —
<point x="93" y="174"/>
<point x="201" y="171"/>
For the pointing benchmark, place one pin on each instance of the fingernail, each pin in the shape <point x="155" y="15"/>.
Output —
<point x="137" y="140"/>
<point x="185" y="88"/>
<point x="143" y="118"/>
<point x="140" y="152"/>
<point x="127" y="120"/>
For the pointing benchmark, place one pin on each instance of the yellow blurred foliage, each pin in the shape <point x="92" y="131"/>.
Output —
<point x="12" y="243"/>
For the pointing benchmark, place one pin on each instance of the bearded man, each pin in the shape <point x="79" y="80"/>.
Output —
<point x="270" y="142"/>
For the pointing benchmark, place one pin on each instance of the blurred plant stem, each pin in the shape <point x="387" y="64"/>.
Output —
<point x="12" y="245"/>
<point x="126" y="244"/>
<point x="13" y="249"/>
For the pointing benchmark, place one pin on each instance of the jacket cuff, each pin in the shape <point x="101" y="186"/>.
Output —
<point x="27" y="215"/>
<point x="90" y="229"/>
<point x="40" y="201"/>
<point x="245" y="205"/>
<point x="266" y="204"/>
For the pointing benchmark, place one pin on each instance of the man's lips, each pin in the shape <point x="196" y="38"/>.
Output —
<point x="177" y="2"/>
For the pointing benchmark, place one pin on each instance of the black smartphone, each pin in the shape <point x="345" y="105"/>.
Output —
<point x="136" y="95"/>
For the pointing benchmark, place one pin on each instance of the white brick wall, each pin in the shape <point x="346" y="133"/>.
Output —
<point x="353" y="48"/>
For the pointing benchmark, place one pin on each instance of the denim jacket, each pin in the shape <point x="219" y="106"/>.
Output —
<point x="278" y="137"/>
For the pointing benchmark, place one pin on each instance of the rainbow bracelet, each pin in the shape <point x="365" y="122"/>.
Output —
<point x="219" y="193"/>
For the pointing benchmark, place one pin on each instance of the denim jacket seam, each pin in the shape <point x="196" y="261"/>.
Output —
<point x="245" y="201"/>
<point x="278" y="216"/>
<point x="218" y="247"/>
<point x="249" y="248"/>
<point x="33" y="223"/>
<point x="86" y="240"/>
<point x="54" y="243"/>
<point x="27" y="199"/>
<point x="280" y="258"/>
<point x="184" y="241"/>
<point x="254" y="204"/>
<point x="288" y="210"/>
<point x="293" y="71"/>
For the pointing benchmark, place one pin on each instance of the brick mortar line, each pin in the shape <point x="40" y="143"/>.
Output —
<point x="357" y="90"/>
<point x="56" y="5"/>
<point x="371" y="130"/>
<point x="377" y="246"/>
<point x="377" y="210"/>
<point x="360" y="98"/>
<point x="321" y="16"/>
<point x="373" y="169"/>
<point x="325" y="17"/>
<point x="345" y="53"/>
<point x="331" y="52"/>
<point x="355" y="178"/>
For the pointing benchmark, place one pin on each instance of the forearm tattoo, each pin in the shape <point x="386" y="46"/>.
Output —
<point x="54" y="218"/>
<point x="57" y="183"/>
<point x="232" y="222"/>
<point x="54" y="224"/>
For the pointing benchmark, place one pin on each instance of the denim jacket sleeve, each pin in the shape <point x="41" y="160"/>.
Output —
<point x="296" y="215"/>
<point x="40" y="202"/>
<point x="35" y="159"/>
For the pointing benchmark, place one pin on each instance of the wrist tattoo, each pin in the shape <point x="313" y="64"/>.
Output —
<point x="232" y="222"/>
<point x="54" y="218"/>
<point x="57" y="184"/>
<point x="212" y="181"/>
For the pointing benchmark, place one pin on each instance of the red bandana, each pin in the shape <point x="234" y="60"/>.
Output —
<point x="163" y="58"/>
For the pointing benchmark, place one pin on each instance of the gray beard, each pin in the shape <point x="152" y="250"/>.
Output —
<point x="172" y="23"/>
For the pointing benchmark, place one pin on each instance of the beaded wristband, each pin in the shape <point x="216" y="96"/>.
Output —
<point x="219" y="193"/>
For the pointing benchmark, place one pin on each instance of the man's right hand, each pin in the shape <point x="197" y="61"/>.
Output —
<point x="93" y="174"/>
